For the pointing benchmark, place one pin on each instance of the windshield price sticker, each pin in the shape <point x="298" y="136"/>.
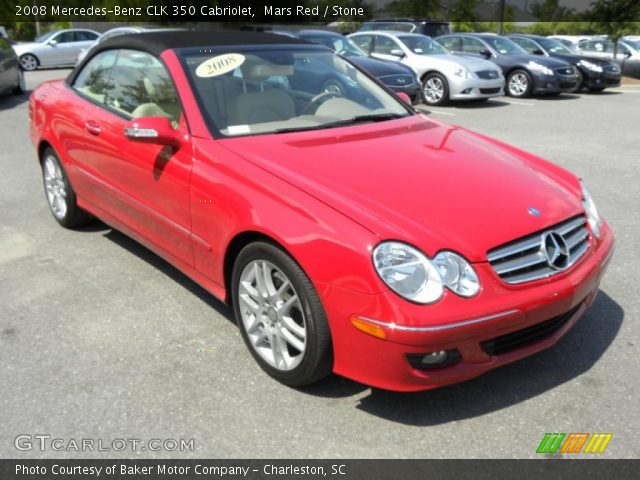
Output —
<point x="219" y="65"/>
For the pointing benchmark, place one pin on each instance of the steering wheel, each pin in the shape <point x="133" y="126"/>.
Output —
<point x="319" y="98"/>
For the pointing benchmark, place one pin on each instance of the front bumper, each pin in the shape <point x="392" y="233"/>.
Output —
<point x="475" y="88"/>
<point x="553" y="83"/>
<point x="454" y="323"/>
<point x="601" y="79"/>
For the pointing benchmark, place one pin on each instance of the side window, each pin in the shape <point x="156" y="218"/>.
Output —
<point x="363" y="41"/>
<point x="472" y="45"/>
<point x="65" y="37"/>
<point x="525" y="43"/>
<point x="141" y="87"/>
<point x="384" y="45"/>
<point x="93" y="80"/>
<point x="83" y="36"/>
<point x="453" y="44"/>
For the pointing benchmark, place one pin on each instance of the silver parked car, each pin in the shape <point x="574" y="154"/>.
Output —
<point x="444" y="76"/>
<point x="54" y="49"/>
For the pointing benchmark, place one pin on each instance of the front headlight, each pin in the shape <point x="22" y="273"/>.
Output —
<point x="591" y="66"/>
<point x="463" y="73"/>
<point x="595" y="222"/>
<point x="538" y="67"/>
<point x="409" y="273"/>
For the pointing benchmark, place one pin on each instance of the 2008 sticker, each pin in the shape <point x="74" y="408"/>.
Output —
<point x="219" y="65"/>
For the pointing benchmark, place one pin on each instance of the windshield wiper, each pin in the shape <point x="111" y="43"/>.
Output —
<point x="374" y="117"/>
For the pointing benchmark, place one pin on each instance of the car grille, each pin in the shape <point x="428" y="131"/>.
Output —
<point x="487" y="91"/>
<point x="487" y="74"/>
<point x="521" y="338"/>
<point x="566" y="71"/>
<point x="397" y="80"/>
<point x="525" y="259"/>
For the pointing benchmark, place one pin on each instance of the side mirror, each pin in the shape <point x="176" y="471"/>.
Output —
<point x="53" y="42"/>
<point x="404" y="97"/>
<point x="485" y="53"/>
<point x="156" y="130"/>
<point x="537" y="51"/>
<point x="396" y="52"/>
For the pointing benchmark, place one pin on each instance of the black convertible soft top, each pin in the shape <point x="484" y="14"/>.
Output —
<point x="157" y="42"/>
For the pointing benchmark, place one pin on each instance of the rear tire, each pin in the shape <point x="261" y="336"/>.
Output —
<point x="435" y="89"/>
<point x="280" y="316"/>
<point x="519" y="84"/>
<point x="59" y="192"/>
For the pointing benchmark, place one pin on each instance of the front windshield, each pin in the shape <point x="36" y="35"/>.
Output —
<point x="44" y="37"/>
<point x="504" y="46"/>
<point x="422" y="45"/>
<point x="554" y="46"/>
<point x="275" y="90"/>
<point x="339" y="44"/>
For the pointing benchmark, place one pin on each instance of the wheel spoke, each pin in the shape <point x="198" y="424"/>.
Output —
<point x="285" y="309"/>
<point x="288" y="337"/>
<point x="289" y="325"/>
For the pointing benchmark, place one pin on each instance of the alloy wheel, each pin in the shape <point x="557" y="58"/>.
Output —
<point x="28" y="62"/>
<point x="518" y="84"/>
<point x="433" y="90"/>
<point x="272" y="315"/>
<point x="55" y="186"/>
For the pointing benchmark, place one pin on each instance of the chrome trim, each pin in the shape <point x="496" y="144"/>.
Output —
<point x="527" y="259"/>
<point x="438" y="328"/>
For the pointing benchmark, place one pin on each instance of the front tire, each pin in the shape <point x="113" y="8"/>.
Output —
<point x="280" y="316"/>
<point x="29" y="62"/>
<point x="435" y="89"/>
<point x="519" y="84"/>
<point x="579" y="83"/>
<point x="59" y="192"/>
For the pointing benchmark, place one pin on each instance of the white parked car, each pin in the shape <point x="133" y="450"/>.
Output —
<point x="444" y="76"/>
<point x="59" y="48"/>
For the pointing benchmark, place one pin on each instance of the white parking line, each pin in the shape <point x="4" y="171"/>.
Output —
<point x="441" y="112"/>
<point x="426" y="109"/>
<point x="515" y="102"/>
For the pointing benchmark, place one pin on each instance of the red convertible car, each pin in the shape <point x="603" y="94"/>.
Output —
<point x="349" y="232"/>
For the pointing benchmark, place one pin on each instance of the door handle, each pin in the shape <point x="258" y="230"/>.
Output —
<point x="92" y="126"/>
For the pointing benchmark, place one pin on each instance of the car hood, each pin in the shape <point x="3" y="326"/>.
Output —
<point x="420" y="181"/>
<point x="546" y="61"/>
<point x="25" y="47"/>
<point x="380" y="68"/>
<point x="453" y="61"/>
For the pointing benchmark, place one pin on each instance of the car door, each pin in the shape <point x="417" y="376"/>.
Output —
<point x="58" y="49"/>
<point x="82" y="39"/>
<point x="144" y="186"/>
<point x="383" y="47"/>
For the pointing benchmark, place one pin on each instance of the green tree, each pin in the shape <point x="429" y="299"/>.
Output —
<point x="615" y="18"/>
<point x="550" y="11"/>
<point x="415" y="8"/>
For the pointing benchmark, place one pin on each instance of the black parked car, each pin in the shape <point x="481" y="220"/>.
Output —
<point x="394" y="75"/>
<point x="526" y="74"/>
<point x="410" y="25"/>
<point x="11" y="75"/>
<point x="595" y="74"/>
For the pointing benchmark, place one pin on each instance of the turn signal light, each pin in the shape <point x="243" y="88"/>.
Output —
<point x="368" y="328"/>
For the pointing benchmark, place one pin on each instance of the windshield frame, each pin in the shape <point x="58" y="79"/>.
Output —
<point x="214" y="131"/>
<point x="45" y="37"/>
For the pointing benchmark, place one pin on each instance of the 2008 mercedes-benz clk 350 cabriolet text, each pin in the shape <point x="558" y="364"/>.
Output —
<point x="349" y="232"/>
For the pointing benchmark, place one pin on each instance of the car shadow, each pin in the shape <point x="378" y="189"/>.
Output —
<point x="491" y="103"/>
<point x="169" y="270"/>
<point x="10" y="101"/>
<point x="503" y="387"/>
<point x="558" y="97"/>
<point x="603" y="93"/>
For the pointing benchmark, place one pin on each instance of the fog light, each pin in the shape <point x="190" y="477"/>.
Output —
<point x="466" y="91"/>
<point x="439" y="359"/>
<point x="434" y="358"/>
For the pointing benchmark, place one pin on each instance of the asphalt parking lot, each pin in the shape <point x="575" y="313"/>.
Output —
<point x="101" y="339"/>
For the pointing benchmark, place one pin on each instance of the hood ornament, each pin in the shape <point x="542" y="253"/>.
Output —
<point x="534" y="211"/>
